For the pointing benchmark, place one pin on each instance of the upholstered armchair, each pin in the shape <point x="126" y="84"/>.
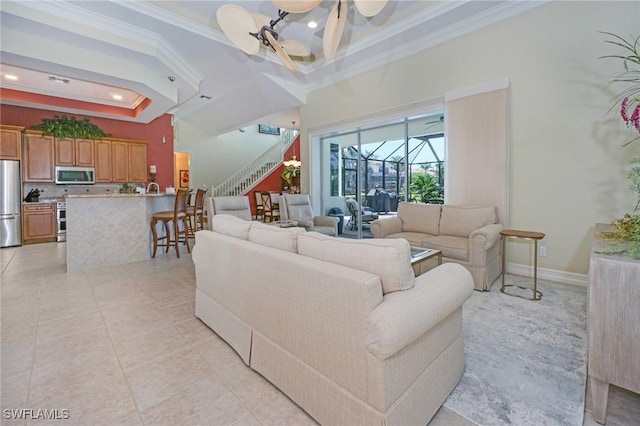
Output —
<point x="237" y="206"/>
<point x="298" y="207"/>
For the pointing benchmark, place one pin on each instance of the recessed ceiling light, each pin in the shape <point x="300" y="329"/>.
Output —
<point x="205" y="97"/>
<point x="59" y="80"/>
<point x="312" y="24"/>
<point x="117" y="97"/>
<point x="10" y="77"/>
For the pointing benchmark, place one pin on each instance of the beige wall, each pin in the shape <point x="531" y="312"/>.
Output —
<point x="567" y="163"/>
<point x="214" y="159"/>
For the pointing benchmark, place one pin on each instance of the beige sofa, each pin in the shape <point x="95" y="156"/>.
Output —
<point x="467" y="235"/>
<point x="341" y="326"/>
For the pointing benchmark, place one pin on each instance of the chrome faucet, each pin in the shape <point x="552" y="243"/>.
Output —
<point x="155" y="185"/>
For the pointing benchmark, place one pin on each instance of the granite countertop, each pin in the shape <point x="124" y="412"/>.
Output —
<point x="117" y="195"/>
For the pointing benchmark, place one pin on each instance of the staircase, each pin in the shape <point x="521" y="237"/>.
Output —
<point x="242" y="181"/>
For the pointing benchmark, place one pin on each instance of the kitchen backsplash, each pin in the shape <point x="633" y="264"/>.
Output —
<point x="51" y="190"/>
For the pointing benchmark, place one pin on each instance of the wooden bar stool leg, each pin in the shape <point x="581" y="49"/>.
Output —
<point x="176" y="237"/>
<point x="167" y="234"/>
<point x="186" y="239"/>
<point x="154" y="232"/>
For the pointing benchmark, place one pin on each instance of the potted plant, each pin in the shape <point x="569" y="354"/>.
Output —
<point x="290" y="177"/>
<point x="626" y="231"/>
<point x="69" y="127"/>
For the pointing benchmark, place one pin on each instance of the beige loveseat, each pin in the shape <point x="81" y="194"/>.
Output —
<point x="467" y="235"/>
<point x="341" y="326"/>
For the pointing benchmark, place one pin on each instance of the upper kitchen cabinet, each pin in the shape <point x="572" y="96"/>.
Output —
<point x="137" y="162"/>
<point x="11" y="142"/>
<point x="120" y="161"/>
<point x="38" y="156"/>
<point x="74" y="152"/>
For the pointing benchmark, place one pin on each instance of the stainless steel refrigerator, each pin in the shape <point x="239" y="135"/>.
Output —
<point x="10" y="204"/>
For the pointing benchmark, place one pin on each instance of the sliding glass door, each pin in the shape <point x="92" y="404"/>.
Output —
<point x="372" y="169"/>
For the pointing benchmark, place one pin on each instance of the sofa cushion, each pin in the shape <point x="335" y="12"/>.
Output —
<point x="462" y="221"/>
<point x="452" y="247"/>
<point x="423" y="218"/>
<point x="274" y="236"/>
<point x="230" y="225"/>
<point x="389" y="259"/>
<point x="415" y="238"/>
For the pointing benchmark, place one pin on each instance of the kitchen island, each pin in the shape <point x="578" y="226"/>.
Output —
<point x="111" y="229"/>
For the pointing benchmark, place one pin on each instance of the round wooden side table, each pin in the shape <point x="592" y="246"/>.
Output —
<point x="527" y="235"/>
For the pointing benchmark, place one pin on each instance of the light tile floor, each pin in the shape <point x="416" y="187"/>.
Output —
<point x="121" y="345"/>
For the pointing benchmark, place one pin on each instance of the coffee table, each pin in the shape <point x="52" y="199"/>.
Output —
<point x="420" y="256"/>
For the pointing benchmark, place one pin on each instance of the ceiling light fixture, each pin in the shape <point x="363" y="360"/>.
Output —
<point x="59" y="80"/>
<point x="117" y="97"/>
<point x="312" y="24"/>
<point x="10" y="77"/>
<point x="205" y="97"/>
<point x="293" y="163"/>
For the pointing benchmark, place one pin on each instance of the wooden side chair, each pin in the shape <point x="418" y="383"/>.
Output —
<point x="259" y="206"/>
<point x="271" y="212"/>
<point x="175" y="217"/>
<point x="195" y="213"/>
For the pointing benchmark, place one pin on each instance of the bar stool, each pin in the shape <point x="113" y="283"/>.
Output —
<point x="178" y="214"/>
<point x="195" y="213"/>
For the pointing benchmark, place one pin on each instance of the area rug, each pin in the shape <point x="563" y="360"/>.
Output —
<point x="525" y="360"/>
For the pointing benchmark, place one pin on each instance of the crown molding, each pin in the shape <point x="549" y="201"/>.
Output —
<point x="488" y="17"/>
<point x="130" y="35"/>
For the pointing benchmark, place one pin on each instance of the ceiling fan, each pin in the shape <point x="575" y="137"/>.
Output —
<point x="249" y="30"/>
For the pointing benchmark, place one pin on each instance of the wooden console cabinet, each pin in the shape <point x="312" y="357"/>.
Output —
<point x="613" y="323"/>
<point x="39" y="223"/>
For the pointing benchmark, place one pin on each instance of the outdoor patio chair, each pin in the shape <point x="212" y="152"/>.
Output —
<point x="368" y="215"/>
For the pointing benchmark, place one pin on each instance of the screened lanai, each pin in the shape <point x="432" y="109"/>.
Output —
<point x="383" y="177"/>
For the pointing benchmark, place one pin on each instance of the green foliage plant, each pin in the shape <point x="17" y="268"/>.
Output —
<point x="69" y="127"/>
<point x="426" y="187"/>
<point x="626" y="231"/>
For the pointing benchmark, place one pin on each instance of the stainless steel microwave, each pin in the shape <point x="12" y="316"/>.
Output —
<point x="75" y="175"/>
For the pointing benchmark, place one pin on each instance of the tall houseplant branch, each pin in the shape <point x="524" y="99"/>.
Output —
<point x="629" y="98"/>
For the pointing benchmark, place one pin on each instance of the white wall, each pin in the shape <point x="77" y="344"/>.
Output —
<point x="214" y="159"/>
<point x="568" y="166"/>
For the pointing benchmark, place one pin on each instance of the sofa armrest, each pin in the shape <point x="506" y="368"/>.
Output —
<point x="380" y="228"/>
<point x="325" y="221"/>
<point x="404" y="316"/>
<point x="489" y="234"/>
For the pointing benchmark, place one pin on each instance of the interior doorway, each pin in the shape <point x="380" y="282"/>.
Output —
<point x="181" y="170"/>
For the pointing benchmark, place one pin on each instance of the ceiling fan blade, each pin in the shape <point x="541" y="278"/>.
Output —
<point x="286" y="60"/>
<point x="237" y="23"/>
<point x="295" y="48"/>
<point x="296" y="6"/>
<point x="370" y="8"/>
<point x="334" y="29"/>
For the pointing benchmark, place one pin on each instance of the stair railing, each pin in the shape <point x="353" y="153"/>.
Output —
<point x="243" y="180"/>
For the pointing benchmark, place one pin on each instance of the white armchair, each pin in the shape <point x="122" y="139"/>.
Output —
<point x="298" y="207"/>
<point x="236" y="206"/>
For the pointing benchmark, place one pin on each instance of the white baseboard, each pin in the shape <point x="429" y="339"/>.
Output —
<point x="548" y="274"/>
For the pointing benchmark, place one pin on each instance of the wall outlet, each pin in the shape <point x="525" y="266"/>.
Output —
<point x="543" y="251"/>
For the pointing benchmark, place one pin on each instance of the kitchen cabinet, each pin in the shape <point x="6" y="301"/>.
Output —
<point x="103" y="161"/>
<point x="39" y="223"/>
<point x="11" y="142"/>
<point x="74" y="152"/>
<point x="120" y="161"/>
<point x="38" y="156"/>
<point x="137" y="170"/>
